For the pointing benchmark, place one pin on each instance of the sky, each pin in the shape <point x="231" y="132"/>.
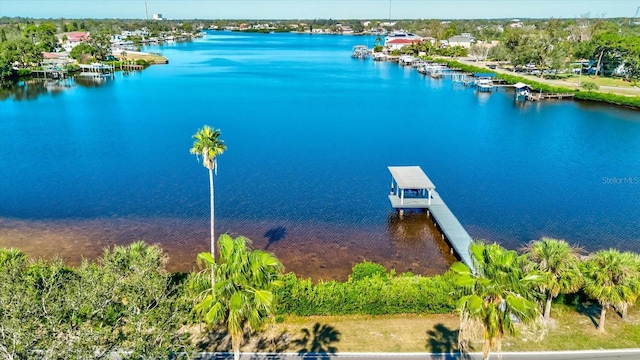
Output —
<point x="319" y="9"/>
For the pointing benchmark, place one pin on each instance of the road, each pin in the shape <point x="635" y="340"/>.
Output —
<point x="626" y="354"/>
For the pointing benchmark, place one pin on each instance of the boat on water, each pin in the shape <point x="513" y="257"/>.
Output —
<point x="437" y="74"/>
<point x="407" y="60"/>
<point x="360" y="52"/>
<point x="380" y="56"/>
<point x="430" y="68"/>
<point x="485" y="84"/>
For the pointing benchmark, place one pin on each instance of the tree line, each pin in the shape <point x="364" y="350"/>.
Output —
<point x="126" y="302"/>
<point x="609" y="46"/>
<point x="551" y="45"/>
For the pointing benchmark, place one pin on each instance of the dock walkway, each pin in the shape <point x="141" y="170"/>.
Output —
<point x="422" y="195"/>
<point x="451" y="229"/>
<point x="542" y="96"/>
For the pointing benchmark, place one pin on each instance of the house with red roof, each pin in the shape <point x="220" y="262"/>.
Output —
<point x="396" y="44"/>
<point x="72" y="39"/>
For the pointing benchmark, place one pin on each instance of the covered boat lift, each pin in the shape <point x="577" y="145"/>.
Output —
<point x="410" y="188"/>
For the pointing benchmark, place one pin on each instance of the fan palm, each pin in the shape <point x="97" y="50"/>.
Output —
<point x="243" y="297"/>
<point x="497" y="294"/>
<point x="209" y="145"/>
<point x="612" y="278"/>
<point x="558" y="264"/>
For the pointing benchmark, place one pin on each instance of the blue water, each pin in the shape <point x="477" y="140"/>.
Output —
<point x="310" y="132"/>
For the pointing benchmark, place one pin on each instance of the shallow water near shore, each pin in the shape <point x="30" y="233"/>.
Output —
<point x="310" y="249"/>
<point x="310" y="133"/>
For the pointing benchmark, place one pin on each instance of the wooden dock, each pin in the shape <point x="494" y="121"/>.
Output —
<point x="542" y="96"/>
<point x="49" y="73"/>
<point x="451" y="229"/>
<point x="412" y="189"/>
<point x="131" y="67"/>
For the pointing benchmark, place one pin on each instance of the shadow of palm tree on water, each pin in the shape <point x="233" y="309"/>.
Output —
<point x="443" y="343"/>
<point x="274" y="235"/>
<point x="317" y="344"/>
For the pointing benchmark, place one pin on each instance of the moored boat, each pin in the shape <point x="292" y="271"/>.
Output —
<point x="484" y="84"/>
<point x="360" y="52"/>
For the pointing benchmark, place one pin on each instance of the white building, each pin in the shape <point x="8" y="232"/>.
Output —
<point x="465" y="40"/>
<point x="157" y="17"/>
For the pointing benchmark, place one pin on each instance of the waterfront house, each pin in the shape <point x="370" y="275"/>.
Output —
<point x="72" y="39"/>
<point x="465" y="40"/>
<point x="397" y="44"/>
<point x="399" y="39"/>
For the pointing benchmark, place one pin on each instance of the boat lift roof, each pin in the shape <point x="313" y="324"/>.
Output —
<point x="521" y="86"/>
<point x="484" y="75"/>
<point x="411" y="177"/>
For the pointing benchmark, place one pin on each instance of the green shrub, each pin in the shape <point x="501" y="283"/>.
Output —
<point x="72" y="67"/>
<point x="367" y="269"/>
<point x="367" y="293"/>
<point x="23" y="72"/>
<point x="590" y="86"/>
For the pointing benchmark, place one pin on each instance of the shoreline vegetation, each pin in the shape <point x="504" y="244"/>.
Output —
<point x="46" y="304"/>
<point x="630" y="101"/>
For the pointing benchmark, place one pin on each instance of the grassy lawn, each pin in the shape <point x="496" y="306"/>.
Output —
<point x="570" y="329"/>
<point x="600" y="81"/>
<point x="576" y="330"/>
<point x="607" y="85"/>
<point x="150" y="58"/>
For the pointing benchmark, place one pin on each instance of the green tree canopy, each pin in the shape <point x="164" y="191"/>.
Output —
<point x="613" y="279"/>
<point x="81" y="51"/>
<point x="243" y="295"/>
<point x="558" y="265"/>
<point x="495" y="295"/>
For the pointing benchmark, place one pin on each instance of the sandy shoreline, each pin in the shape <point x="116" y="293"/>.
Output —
<point x="316" y="250"/>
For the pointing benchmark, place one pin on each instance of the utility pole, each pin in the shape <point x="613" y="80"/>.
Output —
<point x="146" y="11"/>
<point x="389" y="9"/>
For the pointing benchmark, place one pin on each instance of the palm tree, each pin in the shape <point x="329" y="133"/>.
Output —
<point x="612" y="279"/>
<point x="558" y="264"/>
<point x="209" y="145"/>
<point x="496" y="294"/>
<point x="243" y="297"/>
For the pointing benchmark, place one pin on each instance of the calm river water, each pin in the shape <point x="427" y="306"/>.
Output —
<point x="310" y="133"/>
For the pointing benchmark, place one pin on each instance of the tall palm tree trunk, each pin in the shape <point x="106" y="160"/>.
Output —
<point x="213" y="239"/>
<point x="603" y="315"/>
<point x="486" y="347"/>
<point x="236" y="341"/>
<point x="547" y="306"/>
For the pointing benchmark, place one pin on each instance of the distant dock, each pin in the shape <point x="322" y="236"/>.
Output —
<point x="412" y="189"/>
<point x="543" y="96"/>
